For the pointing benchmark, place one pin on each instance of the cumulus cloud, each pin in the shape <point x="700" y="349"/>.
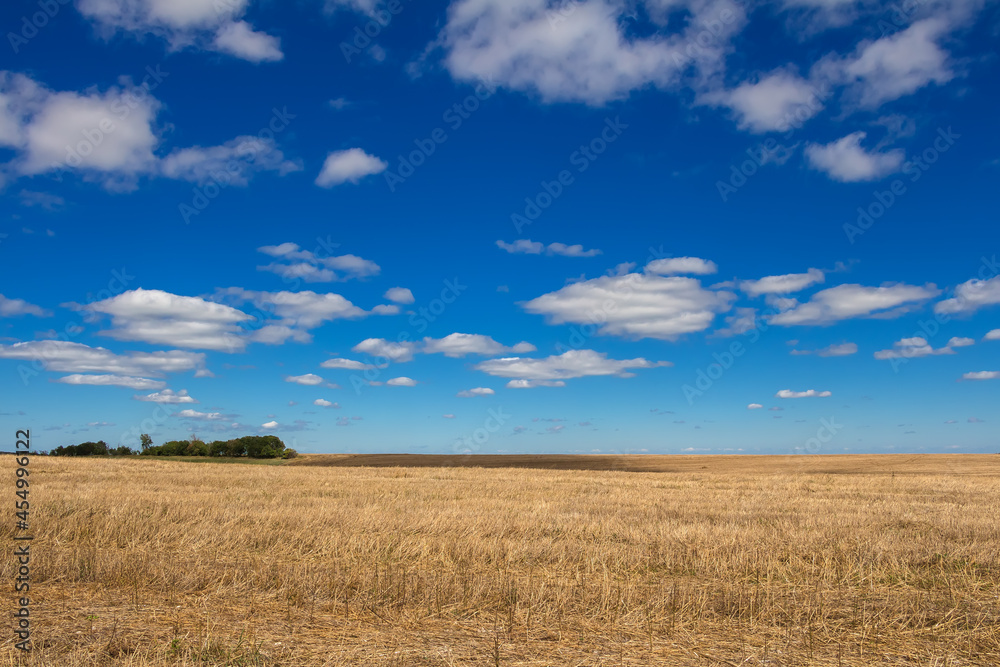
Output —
<point x="680" y="265"/>
<point x="167" y="396"/>
<point x="380" y="348"/>
<point x="528" y="247"/>
<point x="349" y="165"/>
<point x="477" y="391"/>
<point x="774" y="103"/>
<point x="852" y="301"/>
<point x="809" y="393"/>
<point x="645" y="305"/>
<point x="345" y="364"/>
<point x="568" y="365"/>
<point x="323" y="403"/>
<point x="981" y="375"/>
<point x="462" y="344"/>
<point x="782" y="284"/>
<point x="915" y="347"/>
<point x="70" y="357"/>
<point x="201" y="416"/>
<point x="210" y="26"/>
<point x="19" y="307"/>
<point x="399" y="295"/>
<point x="269" y="425"/>
<point x="401" y="381"/>
<point x="136" y="383"/>
<point x="308" y="266"/>
<point x="970" y="296"/>
<point x="834" y="350"/>
<point x="754" y="406"/>
<point x="845" y="160"/>
<point x="234" y="162"/>
<point x="992" y="335"/>
<point x="529" y="384"/>
<point x="309" y="379"/>
<point x="162" y="318"/>
<point x="589" y="56"/>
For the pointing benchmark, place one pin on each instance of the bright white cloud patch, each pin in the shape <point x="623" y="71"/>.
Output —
<point x="162" y="318"/>
<point x="345" y="364"/>
<point x="775" y="103"/>
<point x="136" y="383"/>
<point x="167" y="396"/>
<point x="529" y="384"/>
<point x="910" y="348"/>
<point x="402" y="381"/>
<point x="529" y="247"/>
<point x="847" y="161"/>
<point x="462" y="344"/>
<point x="851" y="301"/>
<point x="992" y="335"/>
<point x="399" y="295"/>
<point x="232" y="163"/>
<point x="835" y="350"/>
<point x="754" y="406"/>
<point x="70" y="357"/>
<point x="809" y="393"/>
<point x="296" y="262"/>
<point x="269" y="425"/>
<point x="583" y="53"/>
<point x="782" y="284"/>
<point x="350" y="165"/>
<point x="386" y="351"/>
<point x="19" y="307"/>
<point x="203" y="24"/>
<point x="635" y="305"/>
<point x="681" y="265"/>
<point x="970" y="296"/>
<point x="568" y="365"/>
<point x="309" y="379"/>
<point x="477" y="391"/>
<point x="323" y="403"/>
<point x="982" y="375"/>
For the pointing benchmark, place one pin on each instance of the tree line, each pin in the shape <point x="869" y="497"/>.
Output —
<point x="250" y="446"/>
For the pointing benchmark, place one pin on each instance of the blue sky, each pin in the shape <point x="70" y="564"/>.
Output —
<point x="696" y="226"/>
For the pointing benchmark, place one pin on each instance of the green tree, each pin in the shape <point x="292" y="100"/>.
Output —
<point x="145" y="441"/>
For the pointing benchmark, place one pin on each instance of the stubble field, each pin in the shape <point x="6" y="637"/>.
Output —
<point x="888" y="560"/>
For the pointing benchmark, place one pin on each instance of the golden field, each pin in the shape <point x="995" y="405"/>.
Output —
<point x="701" y="561"/>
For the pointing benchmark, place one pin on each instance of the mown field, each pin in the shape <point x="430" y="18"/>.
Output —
<point x="793" y="561"/>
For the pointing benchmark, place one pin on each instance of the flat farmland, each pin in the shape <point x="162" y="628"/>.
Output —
<point x="584" y="561"/>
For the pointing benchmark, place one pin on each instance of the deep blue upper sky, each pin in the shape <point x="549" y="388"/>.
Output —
<point x="497" y="226"/>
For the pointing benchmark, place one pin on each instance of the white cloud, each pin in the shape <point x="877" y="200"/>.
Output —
<point x="350" y="165"/>
<point x="809" y="393"/>
<point x="162" y="318"/>
<point x="641" y="305"/>
<point x="529" y="384"/>
<point x="309" y="379"/>
<point x="754" y="406"/>
<point x="982" y="375"/>
<point x="402" y="381"/>
<point x="201" y="416"/>
<point x="992" y="335"/>
<point x="588" y="56"/>
<point x="776" y="102"/>
<point x="19" y="307"/>
<point x="294" y="313"/>
<point x="241" y="40"/>
<point x="399" y="295"/>
<point x="232" y="163"/>
<point x="381" y="348"/>
<point x="269" y="425"/>
<point x="386" y="309"/>
<point x="568" y="365"/>
<point x="167" y="396"/>
<point x="958" y="341"/>
<point x="323" y="403"/>
<point x="345" y="364"/>
<point x="528" y="247"/>
<point x="680" y="265"/>
<point x="970" y="296"/>
<point x="477" y="391"/>
<point x="70" y="357"/>
<point x="893" y="66"/>
<point x="309" y="267"/>
<point x="461" y="344"/>
<point x="834" y="350"/>
<point x="113" y="381"/>
<point x="850" y="301"/>
<point x="782" y="284"/>
<point x="909" y="348"/>
<point x="846" y="161"/>
<point x="212" y="26"/>
<point x="448" y="416"/>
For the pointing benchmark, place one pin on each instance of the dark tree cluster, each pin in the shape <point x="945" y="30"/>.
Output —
<point x="251" y="446"/>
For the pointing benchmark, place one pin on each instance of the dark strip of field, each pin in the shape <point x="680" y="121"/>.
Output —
<point x="849" y="464"/>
